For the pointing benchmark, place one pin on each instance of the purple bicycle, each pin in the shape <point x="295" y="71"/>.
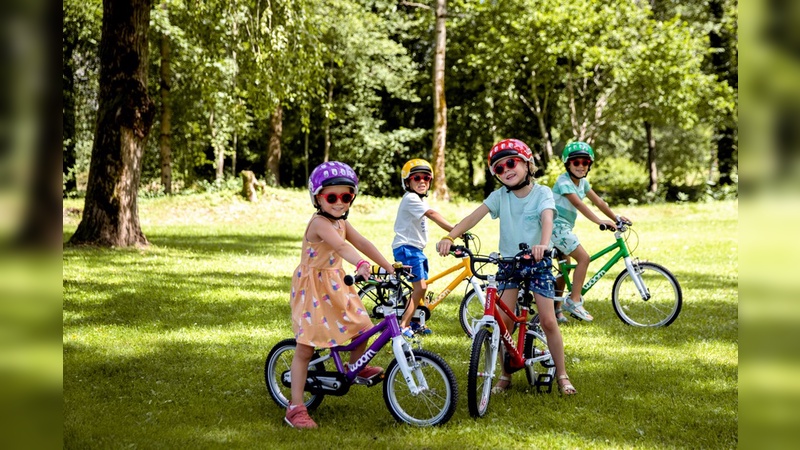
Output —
<point x="419" y="388"/>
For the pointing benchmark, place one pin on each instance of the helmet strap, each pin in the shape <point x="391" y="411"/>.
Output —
<point x="331" y="216"/>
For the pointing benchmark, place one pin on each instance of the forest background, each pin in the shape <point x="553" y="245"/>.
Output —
<point x="278" y="87"/>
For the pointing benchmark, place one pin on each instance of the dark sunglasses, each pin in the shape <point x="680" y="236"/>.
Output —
<point x="509" y="164"/>
<point x="344" y="198"/>
<point x="581" y="162"/>
<point x="425" y="178"/>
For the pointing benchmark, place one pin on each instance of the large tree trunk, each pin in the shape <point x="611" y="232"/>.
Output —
<point x="274" y="150"/>
<point x="439" y="105"/>
<point x="327" y="123"/>
<point x="651" y="157"/>
<point x="166" y="117"/>
<point x="124" y="117"/>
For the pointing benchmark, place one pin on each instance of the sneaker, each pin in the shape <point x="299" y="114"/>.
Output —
<point x="370" y="371"/>
<point x="407" y="332"/>
<point x="417" y="328"/>
<point x="297" y="417"/>
<point x="577" y="309"/>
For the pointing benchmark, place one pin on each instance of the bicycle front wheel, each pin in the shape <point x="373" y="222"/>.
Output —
<point x="433" y="406"/>
<point x="482" y="368"/>
<point x="664" y="304"/>
<point x="471" y="309"/>
<point x="278" y="363"/>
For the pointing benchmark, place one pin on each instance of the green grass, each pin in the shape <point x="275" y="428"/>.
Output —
<point x="164" y="347"/>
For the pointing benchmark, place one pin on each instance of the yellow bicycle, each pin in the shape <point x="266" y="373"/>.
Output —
<point x="386" y="296"/>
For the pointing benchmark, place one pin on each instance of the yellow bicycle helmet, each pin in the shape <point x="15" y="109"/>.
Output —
<point x="414" y="166"/>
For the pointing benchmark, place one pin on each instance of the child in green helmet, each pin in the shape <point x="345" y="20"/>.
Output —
<point x="569" y="191"/>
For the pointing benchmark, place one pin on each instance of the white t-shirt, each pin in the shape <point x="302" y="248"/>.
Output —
<point x="410" y="226"/>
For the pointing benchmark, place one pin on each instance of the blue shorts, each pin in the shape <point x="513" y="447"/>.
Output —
<point x="412" y="256"/>
<point x="539" y="273"/>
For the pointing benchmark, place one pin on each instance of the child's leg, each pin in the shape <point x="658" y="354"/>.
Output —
<point x="582" y="260"/>
<point x="416" y="295"/>
<point x="561" y="283"/>
<point x="547" y="320"/>
<point x="299" y="371"/>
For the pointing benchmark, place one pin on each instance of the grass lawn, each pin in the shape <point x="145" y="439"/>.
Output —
<point x="164" y="347"/>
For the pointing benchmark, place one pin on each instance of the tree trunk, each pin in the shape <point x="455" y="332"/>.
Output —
<point x="327" y="125"/>
<point x="651" y="157"/>
<point x="166" y="117"/>
<point x="274" y="150"/>
<point x="439" y="105"/>
<point x="219" y="150"/>
<point x="124" y="117"/>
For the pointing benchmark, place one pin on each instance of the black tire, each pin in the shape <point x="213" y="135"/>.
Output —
<point x="541" y="373"/>
<point x="434" y="406"/>
<point x="471" y="309"/>
<point x="665" y="300"/>
<point x="280" y="361"/>
<point x="479" y="386"/>
<point x="374" y="298"/>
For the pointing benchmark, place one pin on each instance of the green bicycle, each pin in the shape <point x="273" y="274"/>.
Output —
<point x="645" y="294"/>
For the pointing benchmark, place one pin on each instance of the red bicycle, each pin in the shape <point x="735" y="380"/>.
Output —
<point x="529" y="352"/>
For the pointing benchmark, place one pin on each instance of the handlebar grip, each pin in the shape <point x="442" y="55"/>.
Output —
<point x="603" y="227"/>
<point x="349" y="280"/>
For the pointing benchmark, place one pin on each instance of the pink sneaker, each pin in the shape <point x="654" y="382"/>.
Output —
<point x="298" y="417"/>
<point x="370" y="371"/>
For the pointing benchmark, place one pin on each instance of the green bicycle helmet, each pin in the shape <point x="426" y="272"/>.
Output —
<point x="577" y="149"/>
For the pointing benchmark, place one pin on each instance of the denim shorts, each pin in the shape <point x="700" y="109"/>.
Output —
<point x="539" y="273"/>
<point x="412" y="256"/>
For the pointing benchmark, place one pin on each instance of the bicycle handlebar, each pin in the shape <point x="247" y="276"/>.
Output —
<point x="621" y="224"/>
<point x="524" y="257"/>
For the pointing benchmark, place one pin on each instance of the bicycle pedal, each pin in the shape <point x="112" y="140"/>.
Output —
<point x="369" y="382"/>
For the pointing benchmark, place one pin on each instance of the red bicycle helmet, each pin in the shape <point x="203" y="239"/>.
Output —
<point x="506" y="148"/>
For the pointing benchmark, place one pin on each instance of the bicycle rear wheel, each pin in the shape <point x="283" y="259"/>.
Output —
<point x="471" y="309"/>
<point x="378" y="297"/>
<point x="433" y="406"/>
<point x="665" y="300"/>
<point x="482" y="368"/>
<point x="279" y="362"/>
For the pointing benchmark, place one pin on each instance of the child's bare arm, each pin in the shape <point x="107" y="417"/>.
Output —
<point x="367" y="248"/>
<point x="439" y="220"/>
<point x="603" y="206"/>
<point x="547" y="230"/>
<point x="443" y="246"/>
<point x="587" y="212"/>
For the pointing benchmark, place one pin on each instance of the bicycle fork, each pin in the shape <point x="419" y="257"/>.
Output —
<point x="636" y="276"/>
<point x="403" y="354"/>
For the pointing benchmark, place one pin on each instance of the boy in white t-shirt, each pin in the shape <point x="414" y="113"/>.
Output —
<point x="411" y="232"/>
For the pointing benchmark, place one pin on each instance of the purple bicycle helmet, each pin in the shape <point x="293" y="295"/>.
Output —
<point x="331" y="173"/>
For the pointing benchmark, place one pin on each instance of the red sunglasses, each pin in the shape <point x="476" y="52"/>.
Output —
<point x="581" y="162"/>
<point x="509" y="164"/>
<point x="425" y="178"/>
<point x="345" y="197"/>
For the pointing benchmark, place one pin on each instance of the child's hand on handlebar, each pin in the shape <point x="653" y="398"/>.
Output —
<point x="539" y="251"/>
<point x="609" y="225"/>
<point x="443" y="247"/>
<point x="364" y="270"/>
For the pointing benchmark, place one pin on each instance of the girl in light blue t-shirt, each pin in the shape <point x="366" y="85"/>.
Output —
<point x="526" y="211"/>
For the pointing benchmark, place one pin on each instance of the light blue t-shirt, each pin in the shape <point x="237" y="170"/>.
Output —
<point x="520" y="218"/>
<point x="567" y="213"/>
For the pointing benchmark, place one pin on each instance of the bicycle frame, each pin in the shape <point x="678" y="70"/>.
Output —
<point x="389" y="329"/>
<point x="466" y="273"/>
<point x="622" y="253"/>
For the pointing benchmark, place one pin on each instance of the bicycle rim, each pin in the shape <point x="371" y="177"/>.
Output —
<point x="482" y="369"/>
<point x="665" y="300"/>
<point x="280" y="361"/>
<point x="433" y="406"/>
<point x="471" y="309"/>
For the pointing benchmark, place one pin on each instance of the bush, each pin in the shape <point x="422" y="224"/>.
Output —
<point x="618" y="181"/>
